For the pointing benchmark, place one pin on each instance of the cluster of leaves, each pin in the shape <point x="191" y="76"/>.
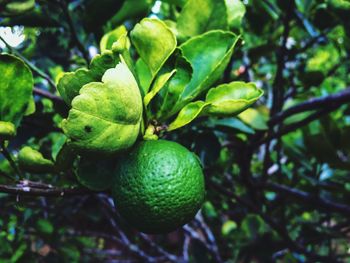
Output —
<point x="277" y="181"/>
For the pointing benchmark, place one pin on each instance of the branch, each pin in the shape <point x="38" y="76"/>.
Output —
<point x="331" y="101"/>
<point x="307" y="198"/>
<point x="27" y="188"/>
<point x="47" y="94"/>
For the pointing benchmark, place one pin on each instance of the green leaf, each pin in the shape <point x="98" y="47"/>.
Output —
<point x="65" y="158"/>
<point x="228" y="227"/>
<point x="209" y="14"/>
<point x="187" y="114"/>
<point x="168" y="96"/>
<point x="16" y="87"/>
<point x="207" y="69"/>
<point x="235" y="13"/>
<point x="70" y="83"/>
<point x="96" y="174"/>
<point x="98" y="12"/>
<point x="233" y="123"/>
<point x="159" y="83"/>
<point x="31" y="107"/>
<point x="154" y="42"/>
<point x="31" y="160"/>
<point x="144" y="75"/>
<point x="105" y="117"/>
<point x="7" y="130"/>
<point x="132" y="9"/>
<point x="254" y="119"/>
<point x="44" y="226"/>
<point x="109" y="38"/>
<point x="13" y="8"/>
<point x="232" y="98"/>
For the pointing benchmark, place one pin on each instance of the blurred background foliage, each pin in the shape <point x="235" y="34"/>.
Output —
<point x="278" y="188"/>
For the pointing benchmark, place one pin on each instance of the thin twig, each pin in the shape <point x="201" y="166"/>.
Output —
<point x="330" y="101"/>
<point x="306" y="198"/>
<point x="73" y="31"/>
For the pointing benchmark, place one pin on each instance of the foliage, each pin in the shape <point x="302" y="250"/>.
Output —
<point x="259" y="90"/>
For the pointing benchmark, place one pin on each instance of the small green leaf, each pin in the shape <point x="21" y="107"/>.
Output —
<point x="31" y="160"/>
<point x="95" y="174"/>
<point x="70" y="83"/>
<point x="65" y="158"/>
<point x="16" y="88"/>
<point x="17" y="7"/>
<point x="187" y="114"/>
<point x="105" y="117"/>
<point x="254" y="119"/>
<point x="228" y="227"/>
<point x="154" y="42"/>
<point x="44" y="226"/>
<point x="232" y="98"/>
<point x="159" y="83"/>
<point x="109" y="38"/>
<point x="7" y="130"/>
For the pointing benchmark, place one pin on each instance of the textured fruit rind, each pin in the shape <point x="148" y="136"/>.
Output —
<point x="158" y="186"/>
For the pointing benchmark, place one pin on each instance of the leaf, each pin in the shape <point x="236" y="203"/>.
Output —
<point x="209" y="14"/>
<point x="159" y="83"/>
<point x="7" y="130"/>
<point x="16" y="88"/>
<point x="31" y="160"/>
<point x="70" y="83"/>
<point x="168" y="96"/>
<point x="207" y="69"/>
<point x="13" y="8"/>
<point x="31" y="107"/>
<point x="109" y="38"/>
<point x="228" y="227"/>
<point x="132" y="9"/>
<point x="235" y="13"/>
<point x="254" y="119"/>
<point x="144" y="75"/>
<point x="105" y="117"/>
<point x="232" y="98"/>
<point x="233" y="123"/>
<point x="96" y="174"/>
<point x="98" y="12"/>
<point x="187" y="114"/>
<point x="44" y="226"/>
<point x="154" y="42"/>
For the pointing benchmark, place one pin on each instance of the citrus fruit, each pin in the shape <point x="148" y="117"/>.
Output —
<point x="158" y="186"/>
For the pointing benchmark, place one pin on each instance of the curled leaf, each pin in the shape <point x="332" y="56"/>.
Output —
<point x="105" y="117"/>
<point x="95" y="174"/>
<point x="7" y="130"/>
<point x="232" y="98"/>
<point x="33" y="161"/>
<point x="109" y="38"/>
<point x="188" y="114"/>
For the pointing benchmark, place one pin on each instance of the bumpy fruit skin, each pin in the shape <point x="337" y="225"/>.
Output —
<point x="158" y="186"/>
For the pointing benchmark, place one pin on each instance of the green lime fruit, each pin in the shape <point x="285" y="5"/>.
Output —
<point x="158" y="186"/>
